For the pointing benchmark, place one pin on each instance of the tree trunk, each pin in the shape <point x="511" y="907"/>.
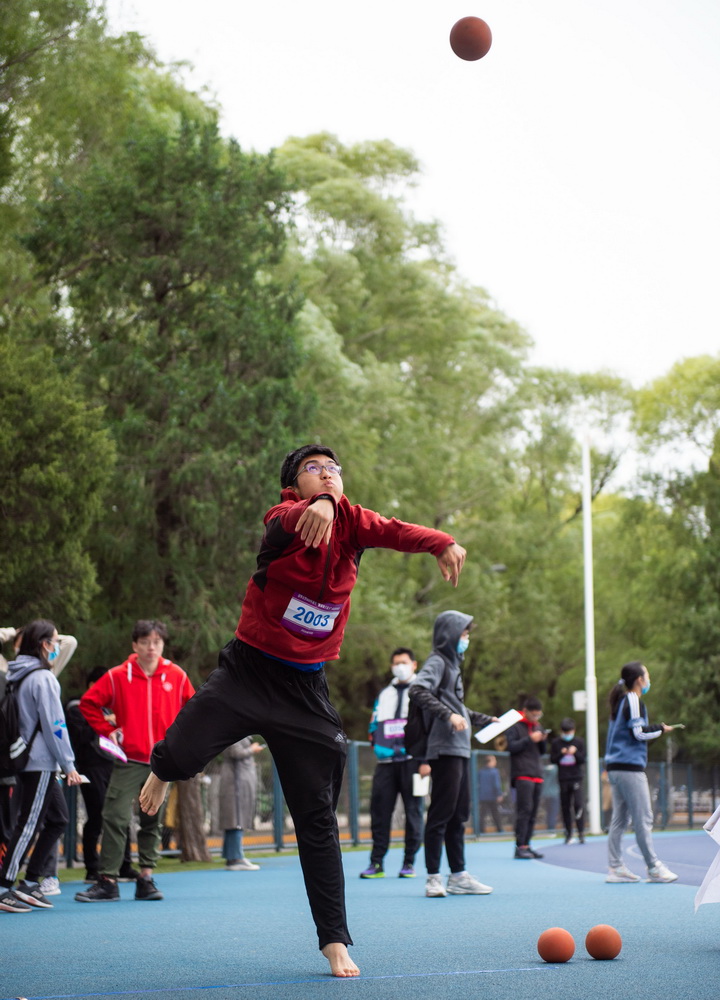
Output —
<point x="191" y="821"/>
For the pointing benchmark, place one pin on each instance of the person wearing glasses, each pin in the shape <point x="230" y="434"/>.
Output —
<point x="270" y="678"/>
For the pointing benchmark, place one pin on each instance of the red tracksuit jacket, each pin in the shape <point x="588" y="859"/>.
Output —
<point x="298" y="600"/>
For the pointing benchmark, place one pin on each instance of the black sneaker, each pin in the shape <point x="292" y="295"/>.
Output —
<point x="29" y="892"/>
<point x="535" y="854"/>
<point x="9" y="903"/>
<point x="104" y="891"/>
<point x="145" y="888"/>
<point x="525" y="853"/>
<point x="128" y="874"/>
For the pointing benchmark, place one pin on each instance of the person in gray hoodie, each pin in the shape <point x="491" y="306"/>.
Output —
<point x="42" y="803"/>
<point x="438" y="691"/>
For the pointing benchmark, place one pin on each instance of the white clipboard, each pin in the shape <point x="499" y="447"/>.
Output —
<point x="494" y="729"/>
<point x="112" y="748"/>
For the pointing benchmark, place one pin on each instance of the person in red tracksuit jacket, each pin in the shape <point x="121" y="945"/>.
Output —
<point x="270" y="678"/>
<point x="132" y="706"/>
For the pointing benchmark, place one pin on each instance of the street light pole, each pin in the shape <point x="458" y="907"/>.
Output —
<point x="591" y="715"/>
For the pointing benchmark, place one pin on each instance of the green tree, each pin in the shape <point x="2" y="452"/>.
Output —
<point x="162" y="258"/>
<point x="56" y="458"/>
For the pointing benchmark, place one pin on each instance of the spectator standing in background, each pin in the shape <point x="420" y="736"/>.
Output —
<point x="238" y="791"/>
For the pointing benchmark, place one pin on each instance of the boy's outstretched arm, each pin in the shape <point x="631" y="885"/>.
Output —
<point x="451" y="562"/>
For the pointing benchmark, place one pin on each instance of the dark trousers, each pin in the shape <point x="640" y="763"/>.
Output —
<point x="527" y="802"/>
<point x="572" y="803"/>
<point x="43" y="808"/>
<point x="390" y="780"/>
<point x="9" y="797"/>
<point x="448" y="813"/>
<point x="94" y="799"/>
<point x="250" y="693"/>
<point x="493" y="808"/>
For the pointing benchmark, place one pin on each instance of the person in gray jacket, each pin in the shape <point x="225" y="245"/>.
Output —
<point x="42" y="803"/>
<point x="438" y="691"/>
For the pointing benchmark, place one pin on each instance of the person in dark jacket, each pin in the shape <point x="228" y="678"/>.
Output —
<point x="567" y="751"/>
<point x="490" y="793"/>
<point x="271" y="680"/>
<point x="526" y="743"/>
<point x="97" y="767"/>
<point x="438" y="691"/>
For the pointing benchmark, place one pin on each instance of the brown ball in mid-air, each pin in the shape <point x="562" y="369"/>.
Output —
<point x="556" y="945"/>
<point x="470" y="38"/>
<point x="603" y="942"/>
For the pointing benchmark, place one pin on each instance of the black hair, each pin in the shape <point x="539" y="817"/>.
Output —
<point x="400" y="651"/>
<point x="532" y="704"/>
<point x="567" y="725"/>
<point x="145" y="626"/>
<point x="628" y="675"/>
<point x="291" y="463"/>
<point x="94" y="675"/>
<point x="33" y="637"/>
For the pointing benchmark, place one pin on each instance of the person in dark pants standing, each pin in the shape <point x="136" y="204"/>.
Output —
<point x="568" y="752"/>
<point x="490" y="793"/>
<point x="394" y="770"/>
<point x="438" y="691"/>
<point x="270" y="678"/>
<point x="97" y="766"/>
<point x="526" y="743"/>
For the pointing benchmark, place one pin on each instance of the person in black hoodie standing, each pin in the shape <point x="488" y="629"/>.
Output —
<point x="438" y="691"/>
<point x="526" y="743"/>
<point x="568" y="752"/>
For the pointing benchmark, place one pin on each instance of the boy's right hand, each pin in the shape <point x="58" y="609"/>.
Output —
<point x="316" y="522"/>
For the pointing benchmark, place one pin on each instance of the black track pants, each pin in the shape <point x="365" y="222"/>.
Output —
<point x="251" y="693"/>
<point x="527" y="803"/>
<point x="43" y="808"/>
<point x="448" y="813"/>
<point x="390" y="780"/>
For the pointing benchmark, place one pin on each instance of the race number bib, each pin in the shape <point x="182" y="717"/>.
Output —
<point x="310" y="618"/>
<point x="394" y="729"/>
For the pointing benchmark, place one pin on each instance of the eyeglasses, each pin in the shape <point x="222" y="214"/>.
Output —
<point x="314" y="469"/>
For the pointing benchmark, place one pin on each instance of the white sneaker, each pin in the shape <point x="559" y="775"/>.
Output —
<point x="621" y="874"/>
<point x="463" y="883"/>
<point x="661" y="873"/>
<point x="434" y="886"/>
<point x="242" y="865"/>
<point x="50" y="886"/>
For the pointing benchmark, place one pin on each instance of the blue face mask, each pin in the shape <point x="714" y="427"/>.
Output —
<point x="568" y="736"/>
<point x="645" y="688"/>
<point x="55" y="653"/>
<point x="462" y="645"/>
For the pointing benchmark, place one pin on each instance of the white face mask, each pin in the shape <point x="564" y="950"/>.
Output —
<point x="403" y="671"/>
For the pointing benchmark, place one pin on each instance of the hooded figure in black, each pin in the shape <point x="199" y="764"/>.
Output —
<point x="438" y="690"/>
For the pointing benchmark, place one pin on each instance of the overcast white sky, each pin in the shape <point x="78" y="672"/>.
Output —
<point x="575" y="169"/>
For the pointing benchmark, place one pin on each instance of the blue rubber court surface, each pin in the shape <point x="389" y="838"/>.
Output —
<point x="248" y="935"/>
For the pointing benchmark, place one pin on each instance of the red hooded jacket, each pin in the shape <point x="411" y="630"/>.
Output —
<point x="298" y="600"/>
<point x="144" y="707"/>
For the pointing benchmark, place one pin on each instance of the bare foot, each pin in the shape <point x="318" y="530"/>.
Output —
<point x="339" y="958"/>
<point x="152" y="794"/>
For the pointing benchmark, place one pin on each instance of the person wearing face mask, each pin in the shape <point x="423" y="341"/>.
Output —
<point x="438" y="690"/>
<point x="625" y="761"/>
<point x="67" y="644"/>
<point x="567" y="751"/>
<point x="42" y="803"/>
<point x="394" y="770"/>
